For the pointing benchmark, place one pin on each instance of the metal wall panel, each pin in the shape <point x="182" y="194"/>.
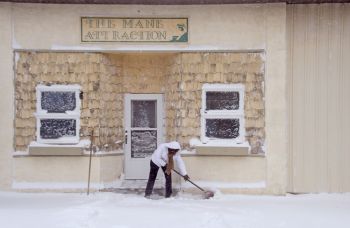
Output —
<point x="319" y="97"/>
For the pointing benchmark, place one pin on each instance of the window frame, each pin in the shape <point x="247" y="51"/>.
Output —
<point x="223" y="114"/>
<point x="44" y="114"/>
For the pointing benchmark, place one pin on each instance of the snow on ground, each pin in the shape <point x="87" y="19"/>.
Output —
<point x="114" y="210"/>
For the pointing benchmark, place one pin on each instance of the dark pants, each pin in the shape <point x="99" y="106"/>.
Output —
<point x="152" y="178"/>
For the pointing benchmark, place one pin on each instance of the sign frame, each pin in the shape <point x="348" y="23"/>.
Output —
<point x="184" y="41"/>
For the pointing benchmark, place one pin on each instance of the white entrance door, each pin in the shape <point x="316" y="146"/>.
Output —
<point x="143" y="132"/>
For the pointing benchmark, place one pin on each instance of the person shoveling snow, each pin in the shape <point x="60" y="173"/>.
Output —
<point x="163" y="157"/>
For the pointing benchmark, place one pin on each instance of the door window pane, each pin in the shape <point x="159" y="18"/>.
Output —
<point x="143" y="143"/>
<point x="219" y="100"/>
<point x="144" y="114"/>
<point x="222" y="128"/>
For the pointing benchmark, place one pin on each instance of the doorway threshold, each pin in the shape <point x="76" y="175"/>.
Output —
<point x="135" y="187"/>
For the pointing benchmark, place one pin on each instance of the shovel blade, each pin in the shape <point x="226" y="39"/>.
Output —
<point x="208" y="194"/>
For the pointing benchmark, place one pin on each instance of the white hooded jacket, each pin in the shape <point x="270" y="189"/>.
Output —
<point x="160" y="156"/>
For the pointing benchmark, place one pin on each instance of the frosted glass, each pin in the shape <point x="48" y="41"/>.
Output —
<point x="57" y="128"/>
<point x="222" y="128"/>
<point x="222" y="100"/>
<point x="58" y="102"/>
<point x="144" y="114"/>
<point x="143" y="143"/>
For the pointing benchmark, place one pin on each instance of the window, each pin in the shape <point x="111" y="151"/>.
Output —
<point x="222" y="117"/>
<point x="58" y="114"/>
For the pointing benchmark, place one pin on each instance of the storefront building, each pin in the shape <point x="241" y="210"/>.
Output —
<point x="230" y="82"/>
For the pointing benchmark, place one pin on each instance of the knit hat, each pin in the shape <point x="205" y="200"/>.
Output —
<point x="173" y="145"/>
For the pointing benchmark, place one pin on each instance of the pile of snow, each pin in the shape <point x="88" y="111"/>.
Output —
<point x="194" y="142"/>
<point x="133" y="211"/>
<point x="84" y="143"/>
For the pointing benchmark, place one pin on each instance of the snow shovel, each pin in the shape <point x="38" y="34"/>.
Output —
<point x="207" y="194"/>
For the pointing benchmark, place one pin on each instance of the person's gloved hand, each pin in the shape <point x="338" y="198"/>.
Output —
<point x="167" y="170"/>
<point x="186" y="177"/>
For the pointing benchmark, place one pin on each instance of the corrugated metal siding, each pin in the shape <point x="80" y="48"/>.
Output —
<point x="319" y="101"/>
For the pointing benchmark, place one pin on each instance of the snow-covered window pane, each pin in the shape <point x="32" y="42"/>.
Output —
<point x="57" y="128"/>
<point x="144" y="114"/>
<point x="58" y="102"/>
<point x="222" y="128"/>
<point x="222" y="100"/>
<point x="143" y="143"/>
<point x="58" y="114"/>
<point x="222" y="116"/>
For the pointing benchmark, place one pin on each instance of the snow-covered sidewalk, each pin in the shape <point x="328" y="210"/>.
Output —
<point x="120" y="211"/>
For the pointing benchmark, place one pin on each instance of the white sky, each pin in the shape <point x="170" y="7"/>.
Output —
<point x="128" y="211"/>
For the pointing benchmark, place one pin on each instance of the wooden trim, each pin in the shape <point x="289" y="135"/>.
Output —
<point x="174" y="2"/>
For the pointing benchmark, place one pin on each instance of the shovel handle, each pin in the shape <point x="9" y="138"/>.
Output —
<point x="189" y="181"/>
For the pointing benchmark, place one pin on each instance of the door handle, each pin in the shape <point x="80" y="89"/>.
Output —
<point x="126" y="137"/>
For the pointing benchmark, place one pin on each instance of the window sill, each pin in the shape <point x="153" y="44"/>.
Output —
<point x="223" y="149"/>
<point x="39" y="149"/>
<point x="20" y="154"/>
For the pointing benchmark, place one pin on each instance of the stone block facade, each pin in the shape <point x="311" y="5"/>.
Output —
<point x="186" y="75"/>
<point x="100" y="82"/>
<point x="105" y="78"/>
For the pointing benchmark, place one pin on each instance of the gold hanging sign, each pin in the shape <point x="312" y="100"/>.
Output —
<point x="111" y="29"/>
